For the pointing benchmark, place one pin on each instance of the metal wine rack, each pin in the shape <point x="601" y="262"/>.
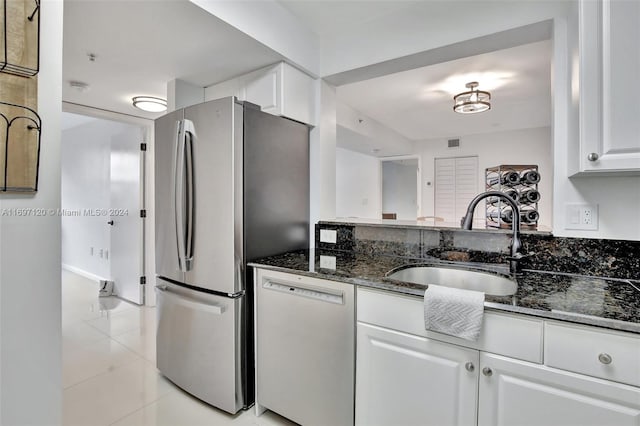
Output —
<point x="520" y="182"/>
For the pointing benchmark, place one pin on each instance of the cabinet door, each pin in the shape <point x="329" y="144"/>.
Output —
<point x="265" y="89"/>
<point x="402" y="379"/>
<point x="514" y="392"/>
<point x="609" y="70"/>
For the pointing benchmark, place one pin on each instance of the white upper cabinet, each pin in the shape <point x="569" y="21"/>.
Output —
<point x="609" y="118"/>
<point x="279" y="89"/>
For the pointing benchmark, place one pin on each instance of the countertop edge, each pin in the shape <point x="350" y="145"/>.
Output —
<point x="569" y="317"/>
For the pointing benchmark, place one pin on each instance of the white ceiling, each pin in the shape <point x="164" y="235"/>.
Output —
<point x="141" y="45"/>
<point x="330" y="16"/>
<point x="418" y="103"/>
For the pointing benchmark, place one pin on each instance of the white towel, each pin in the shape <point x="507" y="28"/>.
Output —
<point x="453" y="311"/>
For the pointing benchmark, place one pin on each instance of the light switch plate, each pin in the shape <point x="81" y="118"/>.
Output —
<point x="328" y="236"/>
<point x="328" y="262"/>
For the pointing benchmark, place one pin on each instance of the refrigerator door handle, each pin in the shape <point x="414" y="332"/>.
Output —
<point x="190" y="303"/>
<point x="179" y="196"/>
<point x="189" y="135"/>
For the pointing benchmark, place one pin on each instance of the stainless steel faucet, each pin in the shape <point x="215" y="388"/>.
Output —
<point x="516" y="245"/>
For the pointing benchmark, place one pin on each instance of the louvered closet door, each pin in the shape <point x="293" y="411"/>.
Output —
<point x="456" y="183"/>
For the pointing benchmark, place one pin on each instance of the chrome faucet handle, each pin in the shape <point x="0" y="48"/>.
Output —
<point x="514" y="262"/>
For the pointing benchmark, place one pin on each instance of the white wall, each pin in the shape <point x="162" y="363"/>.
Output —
<point x="30" y="323"/>
<point x="526" y="146"/>
<point x="399" y="190"/>
<point x="322" y="156"/>
<point x="181" y="94"/>
<point x="86" y="151"/>
<point x="357" y="185"/>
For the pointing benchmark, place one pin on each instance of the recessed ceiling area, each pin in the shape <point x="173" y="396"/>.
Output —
<point x="141" y="45"/>
<point x="418" y="104"/>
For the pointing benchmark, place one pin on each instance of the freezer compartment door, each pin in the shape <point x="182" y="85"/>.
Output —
<point x="199" y="344"/>
<point x="167" y="142"/>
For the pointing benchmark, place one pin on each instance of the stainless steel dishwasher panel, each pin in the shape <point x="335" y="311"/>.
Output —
<point x="200" y="344"/>
<point x="305" y="348"/>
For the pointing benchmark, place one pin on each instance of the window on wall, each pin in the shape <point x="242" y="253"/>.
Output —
<point x="456" y="183"/>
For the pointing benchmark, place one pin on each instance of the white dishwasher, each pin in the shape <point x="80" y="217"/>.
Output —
<point x="305" y="348"/>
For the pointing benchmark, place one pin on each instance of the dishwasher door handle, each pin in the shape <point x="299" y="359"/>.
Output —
<point x="336" y="297"/>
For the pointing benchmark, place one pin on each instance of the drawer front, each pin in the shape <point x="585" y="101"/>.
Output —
<point x="598" y="353"/>
<point x="504" y="334"/>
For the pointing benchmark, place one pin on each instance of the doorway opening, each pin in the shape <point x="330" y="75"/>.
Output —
<point x="103" y="206"/>
<point x="400" y="193"/>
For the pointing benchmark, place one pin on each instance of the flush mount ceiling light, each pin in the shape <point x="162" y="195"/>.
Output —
<point x="150" y="104"/>
<point x="472" y="101"/>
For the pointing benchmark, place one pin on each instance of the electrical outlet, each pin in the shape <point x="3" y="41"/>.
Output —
<point x="328" y="236"/>
<point x="582" y="216"/>
<point x="101" y="253"/>
<point x="328" y="262"/>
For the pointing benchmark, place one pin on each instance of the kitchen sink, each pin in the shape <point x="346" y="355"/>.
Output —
<point x="488" y="283"/>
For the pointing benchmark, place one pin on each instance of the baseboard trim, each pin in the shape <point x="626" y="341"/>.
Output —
<point x="82" y="273"/>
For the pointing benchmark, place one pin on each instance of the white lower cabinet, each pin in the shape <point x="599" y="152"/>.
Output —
<point x="403" y="379"/>
<point x="514" y="392"/>
<point x="430" y="379"/>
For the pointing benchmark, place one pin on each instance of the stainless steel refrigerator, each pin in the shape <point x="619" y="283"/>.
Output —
<point x="231" y="186"/>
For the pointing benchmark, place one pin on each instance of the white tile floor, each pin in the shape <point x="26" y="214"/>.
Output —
<point x="109" y="373"/>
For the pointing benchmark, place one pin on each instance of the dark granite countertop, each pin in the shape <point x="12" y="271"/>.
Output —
<point x="602" y="302"/>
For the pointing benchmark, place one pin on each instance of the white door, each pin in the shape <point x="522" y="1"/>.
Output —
<point x="127" y="227"/>
<point x="402" y="379"/>
<point x="514" y="392"/>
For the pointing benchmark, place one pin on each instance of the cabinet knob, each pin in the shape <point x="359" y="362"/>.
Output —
<point x="605" y="358"/>
<point x="593" y="156"/>
<point x="487" y="371"/>
<point x="469" y="366"/>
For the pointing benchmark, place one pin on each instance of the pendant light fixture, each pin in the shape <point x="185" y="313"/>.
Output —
<point x="150" y="104"/>
<point x="472" y="101"/>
